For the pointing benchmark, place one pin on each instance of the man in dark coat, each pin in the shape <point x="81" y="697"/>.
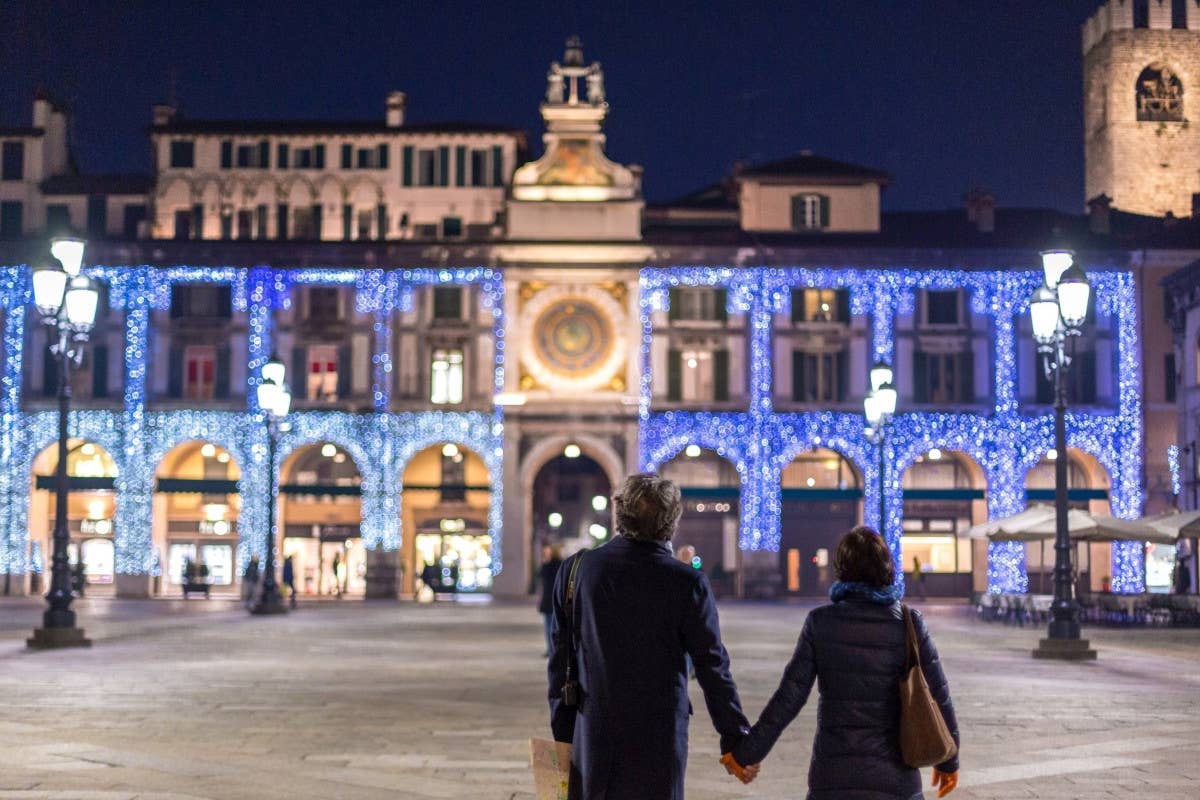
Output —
<point x="638" y="612"/>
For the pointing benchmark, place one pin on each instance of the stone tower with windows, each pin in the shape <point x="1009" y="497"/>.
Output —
<point x="1141" y="73"/>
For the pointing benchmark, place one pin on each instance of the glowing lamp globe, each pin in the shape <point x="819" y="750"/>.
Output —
<point x="1074" y="293"/>
<point x="69" y="251"/>
<point x="1054" y="264"/>
<point x="1043" y="313"/>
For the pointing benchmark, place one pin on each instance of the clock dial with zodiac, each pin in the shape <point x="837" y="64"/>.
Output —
<point x="573" y="338"/>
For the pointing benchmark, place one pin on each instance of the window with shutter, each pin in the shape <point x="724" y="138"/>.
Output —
<point x="444" y="165"/>
<point x="347" y="156"/>
<point x="264" y="154"/>
<point x="226" y="226"/>
<point x="920" y="378"/>
<point x="966" y="375"/>
<point x="299" y="377"/>
<point x="497" y="166"/>
<point x="407" y="166"/>
<point x="810" y="212"/>
<point x="319" y="156"/>
<point x="824" y="218"/>
<point x="281" y="156"/>
<point x="460" y="165"/>
<point x="226" y="154"/>
<point x="198" y="221"/>
<point x="720" y="305"/>
<point x="447" y="302"/>
<point x="798" y="369"/>
<point x="674" y="376"/>
<point x="673" y="303"/>
<point x="843" y="377"/>
<point x="261" y="214"/>
<point x="175" y="373"/>
<point x="222" y="378"/>
<point x="13" y="161"/>
<point x="345" y="372"/>
<point x="281" y="221"/>
<point x="315" y="232"/>
<point x="381" y="157"/>
<point x="381" y="221"/>
<point x="347" y="222"/>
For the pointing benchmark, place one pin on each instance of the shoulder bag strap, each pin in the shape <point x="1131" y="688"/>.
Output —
<point x="569" y="608"/>
<point x="911" y="648"/>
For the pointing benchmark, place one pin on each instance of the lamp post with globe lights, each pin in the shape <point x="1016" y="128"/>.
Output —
<point x="275" y="400"/>
<point x="879" y="406"/>
<point x="67" y="302"/>
<point x="1057" y="311"/>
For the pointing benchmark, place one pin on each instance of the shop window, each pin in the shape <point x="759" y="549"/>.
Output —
<point x="698" y="304"/>
<point x="820" y="305"/>
<point x="183" y="153"/>
<point x="446" y="372"/>
<point x="199" y="372"/>
<point x="322" y="381"/>
<point x="12" y="162"/>
<point x="819" y="377"/>
<point x="944" y="378"/>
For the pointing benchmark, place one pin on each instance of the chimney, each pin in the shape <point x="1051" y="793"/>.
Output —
<point x="395" y="109"/>
<point x="1099" y="216"/>
<point x="163" y="114"/>
<point x="981" y="210"/>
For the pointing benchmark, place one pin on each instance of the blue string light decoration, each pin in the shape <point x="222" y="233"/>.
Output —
<point x="1005" y="442"/>
<point x="138" y="438"/>
<point x="1173" y="468"/>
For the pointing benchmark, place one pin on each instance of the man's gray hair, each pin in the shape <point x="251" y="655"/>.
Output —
<point x="647" y="507"/>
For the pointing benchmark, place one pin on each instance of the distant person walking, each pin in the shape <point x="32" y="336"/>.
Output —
<point x="289" y="579"/>
<point x="854" y="650"/>
<point x="1183" y="576"/>
<point x="548" y="573"/>
<point x="918" y="578"/>
<point x="617" y="672"/>
<point x="78" y="578"/>
<point x="431" y="578"/>
<point x="250" y="581"/>
<point x="337" y="578"/>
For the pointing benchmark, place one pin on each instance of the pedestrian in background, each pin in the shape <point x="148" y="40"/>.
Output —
<point x="548" y="573"/>
<point x="1183" y="576"/>
<point x="855" y="650"/>
<point x="432" y="579"/>
<point x="250" y="581"/>
<point x="918" y="578"/>
<point x="617" y="673"/>
<point x="289" y="579"/>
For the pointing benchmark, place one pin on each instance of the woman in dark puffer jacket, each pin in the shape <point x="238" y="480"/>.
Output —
<point x="855" y="648"/>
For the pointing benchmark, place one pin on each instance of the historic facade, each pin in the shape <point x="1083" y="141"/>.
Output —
<point x="481" y="346"/>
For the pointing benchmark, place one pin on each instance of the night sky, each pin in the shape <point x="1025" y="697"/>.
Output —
<point x="946" y="96"/>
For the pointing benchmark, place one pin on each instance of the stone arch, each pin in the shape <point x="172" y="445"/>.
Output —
<point x="594" y="447"/>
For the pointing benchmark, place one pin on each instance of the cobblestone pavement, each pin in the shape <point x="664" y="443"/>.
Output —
<point x="354" y="700"/>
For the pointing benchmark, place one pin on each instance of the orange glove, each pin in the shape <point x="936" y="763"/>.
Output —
<point x="743" y="774"/>
<point x="948" y="781"/>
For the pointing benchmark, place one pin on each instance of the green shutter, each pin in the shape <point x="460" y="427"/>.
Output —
<point x="316" y="220"/>
<point x="261" y="212"/>
<point x="798" y="376"/>
<point x="319" y="156"/>
<point x="344" y="372"/>
<point x="224" y="301"/>
<point x="100" y="371"/>
<point x="264" y="154"/>
<point x="226" y="154"/>
<point x="720" y="375"/>
<point x="920" y="377"/>
<point x="460" y="166"/>
<point x="673" y="301"/>
<point x="347" y="222"/>
<point x="226" y="226"/>
<point x="347" y="156"/>
<point x="221" y="389"/>
<point x="843" y="305"/>
<point x="824" y="211"/>
<point x="966" y="377"/>
<point x="299" y="379"/>
<point x="797" y="305"/>
<point x="674" y="376"/>
<point x="383" y="156"/>
<point x="381" y="222"/>
<point x="49" y="372"/>
<point x="407" y="178"/>
<point x="281" y="221"/>
<point x="497" y="165"/>
<point x="444" y="165"/>
<point x="281" y="155"/>
<point x="720" y="300"/>
<point x="798" y="221"/>
<point x="175" y="373"/>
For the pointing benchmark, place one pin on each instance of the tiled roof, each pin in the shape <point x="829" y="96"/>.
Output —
<point x="98" y="184"/>
<point x="806" y="165"/>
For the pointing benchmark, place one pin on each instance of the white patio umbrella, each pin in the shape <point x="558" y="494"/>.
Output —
<point x="1181" y="524"/>
<point x="1017" y="528"/>
<point x="1039" y="523"/>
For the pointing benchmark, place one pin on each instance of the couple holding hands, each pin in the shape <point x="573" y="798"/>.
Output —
<point x="627" y="616"/>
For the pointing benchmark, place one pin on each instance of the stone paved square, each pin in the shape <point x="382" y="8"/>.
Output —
<point x="355" y="700"/>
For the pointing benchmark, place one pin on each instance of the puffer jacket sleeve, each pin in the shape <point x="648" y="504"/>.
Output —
<point x="785" y="704"/>
<point x="939" y="687"/>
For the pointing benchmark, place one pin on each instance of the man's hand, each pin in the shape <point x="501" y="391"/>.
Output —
<point x="947" y="781"/>
<point x="743" y="774"/>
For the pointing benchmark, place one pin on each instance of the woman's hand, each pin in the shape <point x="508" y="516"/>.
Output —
<point x="743" y="774"/>
<point x="947" y="781"/>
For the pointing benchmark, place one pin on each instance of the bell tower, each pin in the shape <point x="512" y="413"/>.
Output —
<point x="1141" y="72"/>
<point x="573" y="192"/>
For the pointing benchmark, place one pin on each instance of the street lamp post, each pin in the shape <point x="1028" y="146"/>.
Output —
<point x="878" y="406"/>
<point x="67" y="302"/>
<point x="275" y="400"/>
<point x="1058" y="310"/>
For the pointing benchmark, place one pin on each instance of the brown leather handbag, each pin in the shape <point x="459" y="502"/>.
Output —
<point x="925" y="739"/>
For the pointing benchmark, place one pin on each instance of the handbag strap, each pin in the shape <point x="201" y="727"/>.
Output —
<point x="911" y="650"/>
<point x="569" y="608"/>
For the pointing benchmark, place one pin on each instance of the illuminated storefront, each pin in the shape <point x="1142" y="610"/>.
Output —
<point x="943" y="497"/>
<point x="196" y="508"/>
<point x="821" y="500"/>
<point x="91" y="509"/>
<point x="711" y="492"/>
<point x="321" y="517"/>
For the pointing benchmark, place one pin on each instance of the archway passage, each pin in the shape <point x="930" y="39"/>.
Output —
<point x="320" y="516"/>
<point x="91" y="516"/>
<point x="446" y="499"/>
<point x="711" y="492"/>
<point x="821" y="499"/>
<point x="571" y="504"/>
<point x="1087" y="490"/>
<point x="944" y="494"/>
<point x="195" y="526"/>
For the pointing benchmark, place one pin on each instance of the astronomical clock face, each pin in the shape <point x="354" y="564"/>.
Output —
<point x="573" y="339"/>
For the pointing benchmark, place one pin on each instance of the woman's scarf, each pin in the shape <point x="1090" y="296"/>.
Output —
<point x="849" y="590"/>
